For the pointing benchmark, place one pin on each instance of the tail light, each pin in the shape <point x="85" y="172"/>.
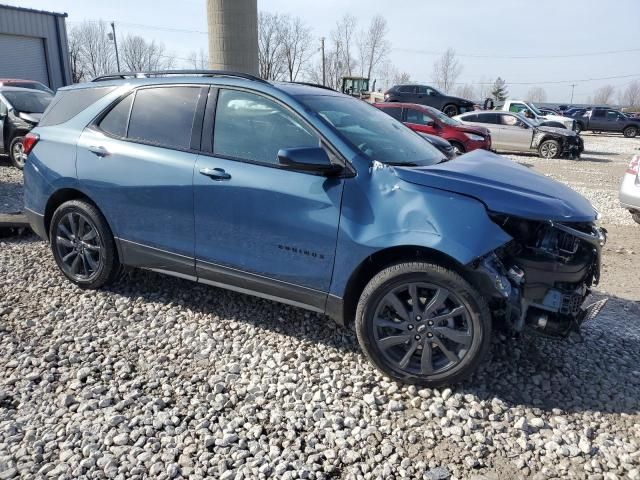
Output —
<point x="29" y="142"/>
<point x="634" y="166"/>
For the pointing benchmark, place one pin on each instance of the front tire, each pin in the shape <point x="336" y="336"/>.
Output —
<point x="630" y="132"/>
<point x="83" y="245"/>
<point x="549" y="149"/>
<point x="422" y="323"/>
<point x="458" y="148"/>
<point x="16" y="153"/>
<point x="579" y="127"/>
<point x="450" y="110"/>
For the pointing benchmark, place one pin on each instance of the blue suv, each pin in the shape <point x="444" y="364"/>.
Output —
<point x="300" y="194"/>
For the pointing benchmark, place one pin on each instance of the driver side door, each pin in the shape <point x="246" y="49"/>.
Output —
<point x="515" y="135"/>
<point x="419" y="121"/>
<point x="259" y="227"/>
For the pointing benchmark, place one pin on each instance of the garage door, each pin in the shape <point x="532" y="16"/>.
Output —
<point x="23" y="57"/>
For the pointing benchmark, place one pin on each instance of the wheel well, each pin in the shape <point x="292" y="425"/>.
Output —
<point x="58" y="198"/>
<point x="460" y="145"/>
<point x="382" y="259"/>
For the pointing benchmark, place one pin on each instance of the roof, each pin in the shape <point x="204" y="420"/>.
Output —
<point x="32" y="10"/>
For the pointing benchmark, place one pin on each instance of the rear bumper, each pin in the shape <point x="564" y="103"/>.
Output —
<point x="630" y="192"/>
<point x="36" y="221"/>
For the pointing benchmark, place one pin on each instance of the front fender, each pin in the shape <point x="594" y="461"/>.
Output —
<point x="380" y="211"/>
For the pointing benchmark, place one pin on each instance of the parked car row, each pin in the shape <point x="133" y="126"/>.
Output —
<point x="314" y="198"/>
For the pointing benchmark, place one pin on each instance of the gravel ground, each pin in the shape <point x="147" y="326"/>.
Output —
<point x="159" y="377"/>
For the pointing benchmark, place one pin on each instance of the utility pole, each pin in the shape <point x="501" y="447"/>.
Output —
<point x="115" y="43"/>
<point x="323" y="68"/>
<point x="573" y="85"/>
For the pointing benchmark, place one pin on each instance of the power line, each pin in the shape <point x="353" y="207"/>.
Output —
<point x="557" y="82"/>
<point x="409" y="50"/>
<point x="521" y="57"/>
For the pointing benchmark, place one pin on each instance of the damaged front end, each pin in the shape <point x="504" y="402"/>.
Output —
<point x="543" y="277"/>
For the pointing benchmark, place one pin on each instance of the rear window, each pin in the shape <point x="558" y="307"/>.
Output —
<point x="486" y="118"/>
<point x="68" y="103"/>
<point x="164" y="115"/>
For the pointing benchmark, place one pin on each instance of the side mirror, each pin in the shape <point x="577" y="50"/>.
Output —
<point x="308" y="159"/>
<point x="431" y="123"/>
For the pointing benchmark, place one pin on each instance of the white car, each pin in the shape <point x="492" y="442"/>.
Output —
<point x="630" y="188"/>
<point x="530" y="111"/>
<point x="514" y="133"/>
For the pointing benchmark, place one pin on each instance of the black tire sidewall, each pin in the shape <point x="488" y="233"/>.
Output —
<point x="630" y="130"/>
<point x="110" y="264"/>
<point x="19" y="138"/>
<point x="450" y="106"/>
<point x="459" y="146"/>
<point x="396" y="275"/>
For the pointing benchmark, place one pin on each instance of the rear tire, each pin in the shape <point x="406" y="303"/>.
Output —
<point x="450" y="110"/>
<point x="16" y="152"/>
<point x="549" y="149"/>
<point x="579" y="127"/>
<point x="422" y="323"/>
<point x="83" y="245"/>
<point x="630" y="132"/>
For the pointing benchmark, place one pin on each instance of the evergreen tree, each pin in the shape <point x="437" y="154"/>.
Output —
<point x="499" y="91"/>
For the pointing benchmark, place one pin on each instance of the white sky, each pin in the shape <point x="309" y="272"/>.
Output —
<point x="493" y="28"/>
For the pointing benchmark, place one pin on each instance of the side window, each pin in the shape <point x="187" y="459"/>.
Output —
<point x="597" y="113"/>
<point x="115" y="122"/>
<point x="491" y="118"/>
<point x="164" y="115"/>
<point x="407" y="89"/>
<point x="471" y="118"/>
<point x="252" y="127"/>
<point x="416" y="116"/>
<point x="422" y="90"/>
<point x="3" y="108"/>
<point x="395" y="112"/>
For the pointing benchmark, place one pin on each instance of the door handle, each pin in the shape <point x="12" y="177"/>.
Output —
<point x="99" y="150"/>
<point x="217" y="174"/>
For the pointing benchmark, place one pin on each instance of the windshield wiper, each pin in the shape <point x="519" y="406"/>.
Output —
<point x="401" y="164"/>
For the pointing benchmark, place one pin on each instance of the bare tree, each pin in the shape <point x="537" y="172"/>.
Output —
<point x="342" y="38"/>
<point x="95" y="52"/>
<point x="484" y="88"/>
<point x="296" y="41"/>
<point x="465" y="91"/>
<point x="604" y="95"/>
<point x="385" y="73"/>
<point x="198" y="60"/>
<point x="446" y="71"/>
<point x="137" y="54"/>
<point x="401" y="77"/>
<point x="271" y="59"/>
<point x="630" y="97"/>
<point x="373" y="45"/>
<point x="75" y="56"/>
<point x="333" y="70"/>
<point x="536" y="95"/>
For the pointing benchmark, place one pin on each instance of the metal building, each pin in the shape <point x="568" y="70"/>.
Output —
<point x="33" y="46"/>
<point x="233" y="35"/>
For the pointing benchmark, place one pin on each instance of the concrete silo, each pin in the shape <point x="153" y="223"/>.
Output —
<point x="233" y="35"/>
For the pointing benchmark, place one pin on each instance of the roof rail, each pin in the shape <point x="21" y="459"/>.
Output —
<point x="161" y="73"/>
<point x="310" y="84"/>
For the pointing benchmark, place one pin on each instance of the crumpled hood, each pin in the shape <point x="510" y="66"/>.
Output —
<point x="30" y="117"/>
<point x="557" y="130"/>
<point x="504" y="187"/>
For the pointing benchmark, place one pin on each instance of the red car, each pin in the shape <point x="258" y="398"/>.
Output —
<point x="425" y="119"/>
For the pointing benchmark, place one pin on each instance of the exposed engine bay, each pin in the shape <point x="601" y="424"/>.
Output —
<point x="542" y="278"/>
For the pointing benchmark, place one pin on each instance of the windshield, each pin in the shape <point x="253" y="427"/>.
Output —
<point x="373" y="132"/>
<point x="28" y="102"/>
<point x="442" y="117"/>
<point x="535" y="110"/>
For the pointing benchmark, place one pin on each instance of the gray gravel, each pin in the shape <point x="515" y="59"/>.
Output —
<point x="10" y="187"/>
<point x="159" y="377"/>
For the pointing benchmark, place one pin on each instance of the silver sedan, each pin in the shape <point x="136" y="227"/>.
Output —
<point x="630" y="188"/>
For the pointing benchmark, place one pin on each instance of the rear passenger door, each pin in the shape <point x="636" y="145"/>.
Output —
<point x="259" y="227"/>
<point x="136" y="161"/>
<point x="489" y="120"/>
